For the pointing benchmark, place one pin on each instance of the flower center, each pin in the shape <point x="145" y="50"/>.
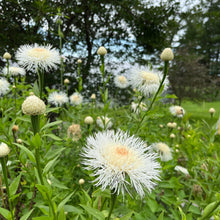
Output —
<point x="122" y="79"/>
<point x="39" y="53"/>
<point x="122" y="151"/>
<point x="58" y="97"/>
<point x="149" y="78"/>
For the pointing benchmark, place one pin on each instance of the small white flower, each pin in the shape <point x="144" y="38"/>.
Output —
<point x="167" y="54"/>
<point x="81" y="181"/>
<point x="14" y="70"/>
<point x="76" y="99"/>
<point x="93" y="96"/>
<point x="177" y="111"/>
<point x="4" y="150"/>
<point x="4" y="86"/>
<point x="163" y="150"/>
<point x="37" y="56"/>
<point x="33" y="105"/>
<point x="181" y="169"/>
<point x="146" y="81"/>
<point x="58" y="98"/>
<point x="120" y="161"/>
<point x="88" y="120"/>
<point x="104" y="122"/>
<point x="121" y="82"/>
<point x="102" y="51"/>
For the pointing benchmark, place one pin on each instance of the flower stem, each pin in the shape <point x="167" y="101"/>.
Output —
<point x="113" y="201"/>
<point x="15" y="81"/>
<point x="166" y="67"/>
<point x="3" y="163"/>
<point x="35" y="123"/>
<point x="41" y="82"/>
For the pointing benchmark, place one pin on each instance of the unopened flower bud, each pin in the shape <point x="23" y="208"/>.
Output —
<point x="172" y="135"/>
<point x="79" y="61"/>
<point x="81" y="181"/>
<point x="88" y="120"/>
<point x="93" y="96"/>
<point x="102" y="51"/>
<point x="211" y="110"/>
<point x="167" y="54"/>
<point x="7" y="56"/>
<point x="19" y="141"/>
<point x="4" y="150"/>
<point x="66" y="81"/>
<point x="13" y="87"/>
<point x="15" y="128"/>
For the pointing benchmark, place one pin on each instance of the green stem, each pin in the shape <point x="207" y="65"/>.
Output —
<point x="4" y="169"/>
<point x="7" y="70"/>
<point x="37" y="158"/>
<point x="15" y="80"/>
<point x="41" y="82"/>
<point x="35" y="123"/>
<point x="113" y="201"/>
<point x="166" y="65"/>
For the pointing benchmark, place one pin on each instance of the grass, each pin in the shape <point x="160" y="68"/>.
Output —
<point x="200" y="110"/>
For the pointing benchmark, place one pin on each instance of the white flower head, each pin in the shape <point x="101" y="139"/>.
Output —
<point x="121" y="82"/>
<point x="33" y="105"/>
<point x="58" y="98"/>
<point x="177" y="111"/>
<point x="181" y="169"/>
<point x="163" y="150"/>
<point x="88" y="120"/>
<point x="120" y="161"/>
<point x="104" y="122"/>
<point x="37" y="56"/>
<point x="146" y="81"/>
<point x="4" y="150"/>
<point x="76" y="99"/>
<point x="4" y="86"/>
<point x="14" y="70"/>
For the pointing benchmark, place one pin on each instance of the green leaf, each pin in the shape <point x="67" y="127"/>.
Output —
<point x="48" y="110"/>
<point x="127" y="216"/>
<point x="94" y="212"/>
<point x="36" y="141"/>
<point x="14" y="185"/>
<point x="44" y="190"/>
<point x="52" y="124"/>
<point x="182" y="213"/>
<point x="63" y="202"/>
<point x="28" y="152"/>
<point x="5" y="213"/>
<point x="209" y="209"/>
<point x="62" y="215"/>
<point x="152" y="204"/>
<point x="49" y="165"/>
<point x="53" y="136"/>
<point x="26" y="216"/>
<point x="195" y="210"/>
<point x="53" y="152"/>
<point x="75" y="210"/>
<point x="161" y="216"/>
<point x="36" y="89"/>
<point x="43" y="218"/>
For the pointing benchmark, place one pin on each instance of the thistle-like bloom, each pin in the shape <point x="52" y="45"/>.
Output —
<point x="14" y="70"/>
<point x="37" y="56"/>
<point x="146" y="81"/>
<point x="177" y="111"/>
<point x="121" y="82"/>
<point x="4" y="86"/>
<point x="181" y="169"/>
<point x="163" y="150"/>
<point x="4" y="150"/>
<point x="104" y="122"/>
<point x="76" y="99"/>
<point x="120" y="161"/>
<point x="58" y="98"/>
<point x="33" y="105"/>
